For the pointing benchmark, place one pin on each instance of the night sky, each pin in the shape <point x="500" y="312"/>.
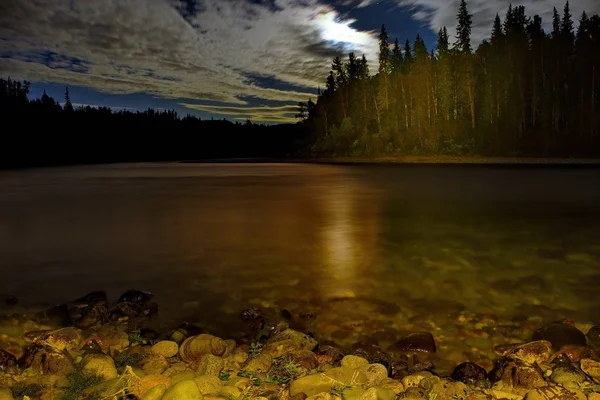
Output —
<point x="234" y="59"/>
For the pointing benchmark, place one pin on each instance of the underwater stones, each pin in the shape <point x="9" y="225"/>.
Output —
<point x="554" y="393"/>
<point x="312" y="385"/>
<point x="153" y="364"/>
<point x="7" y="360"/>
<point x="306" y="359"/>
<point x="516" y="373"/>
<point x="193" y="348"/>
<point x="560" y="334"/>
<point x="148" y="382"/>
<point x="375" y="355"/>
<point x="418" y="342"/>
<point x="537" y="352"/>
<point x="300" y="341"/>
<point x="58" y="339"/>
<point x="166" y="348"/>
<point x="449" y="390"/>
<point x="210" y="364"/>
<point x="99" y="365"/>
<point x="593" y="336"/>
<point x="469" y="373"/>
<point x="58" y="315"/>
<point x="184" y="331"/>
<point x="392" y="384"/>
<point x="45" y="360"/>
<point x="208" y="384"/>
<point x="575" y="353"/>
<point x="591" y="368"/>
<point x="375" y="373"/>
<point x="98" y="296"/>
<point x="135" y="296"/>
<point x="6" y="394"/>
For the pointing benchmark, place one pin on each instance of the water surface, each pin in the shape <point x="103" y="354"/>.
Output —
<point x="364" y="248"/>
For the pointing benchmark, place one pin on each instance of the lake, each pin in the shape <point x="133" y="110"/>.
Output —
<point x="363" y="251"/>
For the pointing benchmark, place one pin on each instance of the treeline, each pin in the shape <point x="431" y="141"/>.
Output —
<point x="40" y="132"/>
<point x="523" y="92"/>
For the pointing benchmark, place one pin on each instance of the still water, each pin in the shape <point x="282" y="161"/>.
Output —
<point x="364" y="248"/>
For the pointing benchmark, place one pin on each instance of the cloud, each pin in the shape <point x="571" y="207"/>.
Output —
<point x="281" y="114"/>
<point x="180" y="49"/>
<point x="438" y="13"/>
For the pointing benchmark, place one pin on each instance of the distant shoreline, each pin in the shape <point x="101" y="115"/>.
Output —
<point x="412" y="160"/>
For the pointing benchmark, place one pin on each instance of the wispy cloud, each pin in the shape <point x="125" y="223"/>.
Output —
<point x="262" y="114"/>
<point x="201" y="50"/>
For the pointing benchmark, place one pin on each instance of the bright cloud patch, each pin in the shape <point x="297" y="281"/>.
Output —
<point x="190" y="49"/>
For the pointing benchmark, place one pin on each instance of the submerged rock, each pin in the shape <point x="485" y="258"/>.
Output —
<point x="58" y="339"/>
<point x="560" y="334"/>
<point x="469" y="373"/>
<point x="135" y="296"/>
<point x="554" y="393"/>
<point x="100" y="365"/>
<point x="193" y="348"/>
<point x="166" y="348"/>
<point x="422" y="342"/>
<point x="186" y="389"/>
<point x="7" y="360"/>
<point x="327" y="354"/>
<point x="5" y="394"/>
<point x="55" y="316"/>
<point x="593" y="336"/>
<point x="537" y="352"/>
<point x="353" y="362"/>
<point x="45" y="361"/>
<point x="591" y="368"/>
<point x="575" y="353"/>
<point x="568" y="376"/>
<point x="516" y="373"/>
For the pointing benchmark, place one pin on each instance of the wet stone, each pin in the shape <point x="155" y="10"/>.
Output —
<point x="560" y="334"/>
<point x="415" y="342"/>
<point x="7" y="360"/>
<point x="135" y="296"/>
<point x="469" y="373"/>
<point x="593" y="336"/>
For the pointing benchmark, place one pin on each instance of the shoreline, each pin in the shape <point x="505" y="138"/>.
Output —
<point x="84" y="350"/>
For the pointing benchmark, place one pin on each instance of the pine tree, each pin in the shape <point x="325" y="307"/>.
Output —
<point x="463" y="30"/>
<point x="566" y="25"/>
<point x="340" y="73"/>
<point x="555" y="24"/>
<point x="497" y="32"/>
<point x="396" y="58"/>
<point x="68" y="105"/>
<point x="408" y="58"/>
<point x="384" y="52"/>
<point x="442" y="42"/>
<point x="420" y="49"/>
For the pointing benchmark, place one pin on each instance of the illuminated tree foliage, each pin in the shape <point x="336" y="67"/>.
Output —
<point x="523" y="92"/>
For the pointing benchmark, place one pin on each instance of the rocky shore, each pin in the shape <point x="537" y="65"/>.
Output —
<point x="88" y="350"/>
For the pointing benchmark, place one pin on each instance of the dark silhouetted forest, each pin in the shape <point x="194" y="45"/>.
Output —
<point x="41" y="132"/>
<point x="524" y="92"/>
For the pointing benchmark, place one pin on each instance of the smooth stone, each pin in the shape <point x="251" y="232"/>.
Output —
<point x="515" y="373"/>
<point x="378" y="393"/>
<point x="7" y="360"/>
<point x="591" y="368"/>
<point x="183" y="390"/>
<point x="5" y="394"/>
<point x="593" y="336"/>
<point x="135" y="296"/>
<point x="346" y="376"/>
<point x="333" y="354"/>
<point x="230" y="392"/>
<point x="449" y="390"/>
<point x="156" y="393"/>
<point x="469" y="373"/>
<point x="148" y="382"/>
<point x="537" y="352"/>
<point x="576" y="353"/>
<point x="300" y="340"/>
<point x="210" y="365"/>
<point x="208" y="384"/>
<point x="389" y="383"/>
<point x="182" y="376"/>
<point x="100" y="365"/>
<point x="153" y="364"/>
<point x="593" y="396"/>
<point x="321" y="396"/>
<point x="353" y="362"/>
<point x="260" y="364"/>
<point x="193" y="348"/>
<point x="166" y="348"/>
<point x="353" y="393"/>
<point x="375" y="373"/>
<point x="567" y="375"/>
<point x="554" y="393"/>
<point x="560" y="334"/>
<point x="415" y="379"/>
<point x="422" y="342"/>
<point x="314" y="384"/>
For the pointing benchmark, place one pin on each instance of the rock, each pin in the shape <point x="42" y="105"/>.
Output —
<point x="183" y="390"/>
<point x="327" y="354"/>
<point x="415" y="393"/>
<point x="210" y="365"/>
<point x="415" y="380"/>
<point x="260" y="364"/>
<point x="567" y="376"/>
<point x="99" y="365"/>
<point x="112" y="339"/>
<point x="321" y="396"/>
<point x="378" y="393"/>
<point x="375" y="373"/>
<point x="353" y="362"/>
<point x="230" y="393"/>
<point x="156" y="393"/>
<point x="301" y="341"/>
<point x="105" y="390"/>
<point x="537" y="352"/>
<point x="554" y="393"/>
<point x="184" y="331"/>
<point x="44" y="360"/>
<point x="346" y="376"/>
<point x="7" y="360"/>
<point x="449" y="390"/>
<point x="208" y="384"/>
<point x="314" y="384"/>
<point x="299" y="396"/>
<point x="5" y="394"/>
<point x="560" y="334"/>
<point x="306" y="359"/>
<point x="90" y="315"/>
<point x="55" y="316"/>
<point x="421" y="366"/>
<point x="135" y="296"/>
<point x="375" y="355"/>
<point x="415" y="342"/>
<point x="57" y="339"/>
<point x="230" y="346"/>
<point x="193" y="348"/>
<point x="149" y="382"/>
<point x="153" y="364"/>
<point x="166" y="348"/>
<point x="594" y="396"/>
<point x="593" y="336"/>
<point x="240" y="355"/>
<point x="469" y="373"/>
<point x="182" y="376"/>
<point x="575" y="353"/>
<point x="591" y="368"/>
<point x="516" y="373"/>
<point x="392" y="384"/>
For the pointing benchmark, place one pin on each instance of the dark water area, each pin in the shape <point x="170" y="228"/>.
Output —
<point x="361" y="249"/>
